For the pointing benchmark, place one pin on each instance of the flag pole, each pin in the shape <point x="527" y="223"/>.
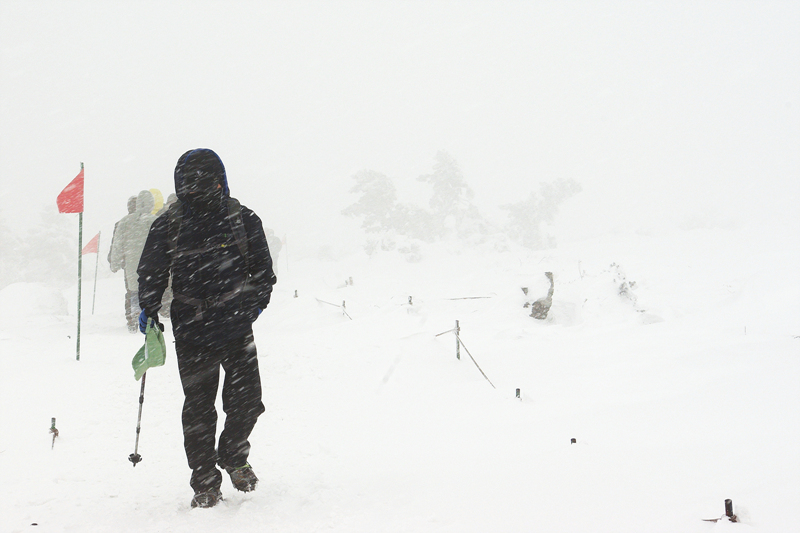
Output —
<point x="96" y="265"/>
<point x="80" y="265"/>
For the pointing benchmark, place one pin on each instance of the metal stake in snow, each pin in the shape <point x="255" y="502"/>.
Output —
<point x="729" y="511"/>
<point x="70" y="200"/>
<point x="728" y="514"/>
<point x="458" y="342"/>
<point x="476" y="363"/>
<point x="54" y="431"/>
<point x="135" y="457"/>
<point x="80" y="275"/>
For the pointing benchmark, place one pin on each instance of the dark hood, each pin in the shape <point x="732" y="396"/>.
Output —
<point x="199" y="158"/>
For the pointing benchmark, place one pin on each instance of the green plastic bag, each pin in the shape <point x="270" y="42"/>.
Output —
<point x="153" y="352"/>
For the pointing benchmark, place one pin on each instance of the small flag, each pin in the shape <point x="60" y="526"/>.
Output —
<point x="152" y="353"/>
<point x="70" y="200"/>
<point x="91" y="246"/>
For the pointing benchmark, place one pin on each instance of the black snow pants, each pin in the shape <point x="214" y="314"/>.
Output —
<point x="241" y="400"/>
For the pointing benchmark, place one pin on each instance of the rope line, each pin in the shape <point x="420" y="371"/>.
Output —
<point x="474" y="361"/>
<point x="342" y="307"/>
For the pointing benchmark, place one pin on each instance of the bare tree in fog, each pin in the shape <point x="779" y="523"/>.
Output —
<point x="49" y="251"/>
<point x="528" y="220"/>
<point x="451" y="214"/>
<point x="378" y="201"/>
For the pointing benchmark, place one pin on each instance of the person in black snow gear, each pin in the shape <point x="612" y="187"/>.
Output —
<point x="126" y="248"/>
<point x="222" y="278"/>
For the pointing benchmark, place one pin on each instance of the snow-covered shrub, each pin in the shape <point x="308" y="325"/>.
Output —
<point x="625" y="287"/>
<point x="47" y="252"/>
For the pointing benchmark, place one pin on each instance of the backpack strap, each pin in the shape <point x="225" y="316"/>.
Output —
<point x="239" y="231"/>
<point x="175" y="214"/>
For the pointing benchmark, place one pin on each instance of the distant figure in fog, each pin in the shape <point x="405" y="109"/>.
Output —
<point x="121" y="264"/>
<point x="158" y="201"/>
<point x="127" y="243"/>
<point x="171" y="199"/>
<point x="275" y="246"/>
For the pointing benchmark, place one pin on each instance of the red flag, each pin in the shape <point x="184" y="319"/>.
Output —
<point x="70" y="200"/>
<point x="91" y="246"/>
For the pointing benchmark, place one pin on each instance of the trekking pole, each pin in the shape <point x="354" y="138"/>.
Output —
<point x="135" y="457"/>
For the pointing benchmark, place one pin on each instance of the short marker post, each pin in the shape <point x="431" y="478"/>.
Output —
<point x="458" y="342"/>
<point x="729" y="511"/>
<point x="54" y="431"/>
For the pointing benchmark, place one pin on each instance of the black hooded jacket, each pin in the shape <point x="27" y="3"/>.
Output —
<point x="216" y="298"/>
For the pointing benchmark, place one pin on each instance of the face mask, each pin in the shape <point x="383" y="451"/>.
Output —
<point x="202" y="191"/>
<point x="204" y="201"/>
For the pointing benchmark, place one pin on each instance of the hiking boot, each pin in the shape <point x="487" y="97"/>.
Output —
<point x="206" y="499"/>
<point x="243" y="477"/>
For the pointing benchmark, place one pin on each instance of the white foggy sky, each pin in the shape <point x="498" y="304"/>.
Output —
<point x="663" y="111"/>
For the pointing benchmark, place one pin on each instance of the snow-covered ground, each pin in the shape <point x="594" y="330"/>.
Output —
<point x="685" y="397"/>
